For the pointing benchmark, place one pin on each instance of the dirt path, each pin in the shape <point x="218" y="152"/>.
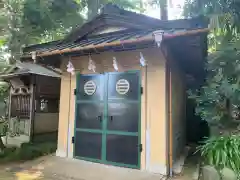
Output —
<point x="26" y="175"/>
<point x="52" y="168"/>
<point x="190" y="167"/>
<point x="26" y="171"/>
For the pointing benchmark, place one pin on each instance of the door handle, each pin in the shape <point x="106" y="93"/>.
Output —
<point x="111" y="118"/>
<point x="100" y="118"/>
<point x="140" y="147"/>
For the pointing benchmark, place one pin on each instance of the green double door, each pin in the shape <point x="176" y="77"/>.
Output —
<point x="107" y="124"/>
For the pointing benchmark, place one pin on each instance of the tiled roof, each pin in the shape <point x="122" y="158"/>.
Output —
<point x="33" y="68"/>
<point x="90" y="41"/>
<point x="97" y="41"/>
<point x="30" y="68"/>
<point x="137" y="27"/>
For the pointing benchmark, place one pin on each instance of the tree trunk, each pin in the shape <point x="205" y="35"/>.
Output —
<point x="141" y="7"/>
<point x="93" y="7"/>
<point x="163" y="9"/>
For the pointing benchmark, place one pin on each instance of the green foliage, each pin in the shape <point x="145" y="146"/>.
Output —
<point x="4" y="90"/>
<point x="3" y="128"/>
<point x="199" y="7"/>
<point x="2" y="42"/>
<point x="25" y="22"/>
<point x="218" y="99"/>
<point x="3" y="131"/>
<point x="28" y="151"/>
<point x="40" y="17"/>
<point x="227" y="13"/>
<point x="222" y="152"/>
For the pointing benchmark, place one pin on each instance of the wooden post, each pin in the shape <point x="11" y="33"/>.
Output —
<point x="9" y="111"/>
<point x="32" y="106"/>
<point x="69" y="109"/>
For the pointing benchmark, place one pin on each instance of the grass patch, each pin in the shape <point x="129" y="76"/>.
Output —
<point x="27" y="151"/>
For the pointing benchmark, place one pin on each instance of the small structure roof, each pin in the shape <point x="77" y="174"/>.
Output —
<point x="25" y="68"/>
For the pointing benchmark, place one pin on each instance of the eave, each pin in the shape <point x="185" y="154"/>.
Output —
<point x="147" y="39"/>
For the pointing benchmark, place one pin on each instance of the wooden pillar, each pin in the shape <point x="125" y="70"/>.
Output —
<point x="9" y="103"/>
<point x="32" y="106"/>
<point x="9" y="111"/>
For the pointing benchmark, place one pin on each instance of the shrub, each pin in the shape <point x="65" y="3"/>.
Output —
<point x="222" y="152"/>
<point x="28" y="151"/>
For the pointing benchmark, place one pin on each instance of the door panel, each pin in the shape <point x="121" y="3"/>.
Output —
<point x="122" y="149"/>
<point x="123" y="116"/>
<point x="123" y="86"/>
<point x="90" y="88"/>
<point x="88" y="145"/>
<point x="108" y="117"/>
<point x="89" y="115"/>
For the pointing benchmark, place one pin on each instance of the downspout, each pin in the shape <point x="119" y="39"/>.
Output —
<point x="169" y="142"/>
<point x="170" y="126"/>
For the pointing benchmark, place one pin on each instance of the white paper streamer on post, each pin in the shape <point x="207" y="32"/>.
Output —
<point x="143" y="61"/>
<point x="158" y="36"/>
<point x="91" y="65"/>
<point x="115" y="65"/>
<point x="34" y="55"/>
<point x="70" y="68"/>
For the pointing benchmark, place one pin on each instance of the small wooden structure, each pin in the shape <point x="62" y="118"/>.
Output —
<point x="133" y="115"/>
<point x="33" y="100"/>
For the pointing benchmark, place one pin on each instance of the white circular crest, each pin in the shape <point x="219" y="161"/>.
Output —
<point x="90" y="87"/>
<point x="122" y="86"/>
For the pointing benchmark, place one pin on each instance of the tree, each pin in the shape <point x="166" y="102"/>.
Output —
<point x="218" y="100"/>
<point x="25" y="22"/>
<point x="94" y="6"/>
<point x="163" y="5"/>
<point x="225" y="13"/>
<point x="50" y="17"/>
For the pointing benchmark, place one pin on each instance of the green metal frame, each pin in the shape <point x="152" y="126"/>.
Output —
<point x="104" y="130"/>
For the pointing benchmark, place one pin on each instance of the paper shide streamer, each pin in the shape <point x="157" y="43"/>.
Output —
<point x="115" y="65"/>
<point x="142" y="60"/>
<point x="70" y="68"/>
<point x="91" y="65"/>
